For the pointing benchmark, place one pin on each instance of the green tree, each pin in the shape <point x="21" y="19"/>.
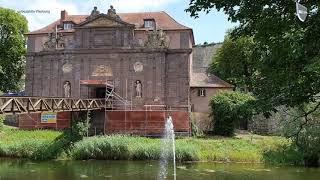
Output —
<point x="235" y="62"/>
<point x="305" y="133"/>
<point x="228" y="110"/>
<point x="12" y="48"/>
<point x="288" y="72"/>
<point x="289" y="66"/>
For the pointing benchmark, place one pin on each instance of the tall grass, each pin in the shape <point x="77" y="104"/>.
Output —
<point x="42" y="145"/>
<point x="127" y="148"/>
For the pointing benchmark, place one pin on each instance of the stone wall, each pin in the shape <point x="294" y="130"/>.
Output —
<point x="265" y="126"/>
<point x="164" y="77"/>
<point x="202" y="57"/>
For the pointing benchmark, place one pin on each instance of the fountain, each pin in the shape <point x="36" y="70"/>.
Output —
<point x="168" y="144"/>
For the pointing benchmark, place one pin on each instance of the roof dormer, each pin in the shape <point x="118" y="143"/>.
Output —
<point x="67" y="25"/>
<point x="149" y="23"/>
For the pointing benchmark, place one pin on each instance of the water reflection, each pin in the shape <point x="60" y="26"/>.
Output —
<point x="127" y="170"/>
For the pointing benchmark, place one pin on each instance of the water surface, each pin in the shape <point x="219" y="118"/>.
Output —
<point x="130" y="170"/>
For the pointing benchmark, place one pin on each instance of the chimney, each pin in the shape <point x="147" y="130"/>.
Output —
<point x="63" y="16"/>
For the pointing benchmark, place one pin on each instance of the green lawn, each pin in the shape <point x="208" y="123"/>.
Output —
<point x="13" y="135"/>
<point x="45" y="144"/>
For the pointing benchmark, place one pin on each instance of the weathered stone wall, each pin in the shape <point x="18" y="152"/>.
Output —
<point x="92" y="37"/>
<point x="202" y="57"/>
<point x="164" y="78"/>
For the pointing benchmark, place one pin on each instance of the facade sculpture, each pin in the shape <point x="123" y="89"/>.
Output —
<point x="95" y="11"/>
<point x="156" y="39"/>
<point x="67" y="89"/>
<point x="112" y="13"/>
<point x="138" y="89"/>
<point x="55" y="40"/>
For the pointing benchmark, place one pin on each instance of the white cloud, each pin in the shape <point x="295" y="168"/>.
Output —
<point x="39" y="20"/>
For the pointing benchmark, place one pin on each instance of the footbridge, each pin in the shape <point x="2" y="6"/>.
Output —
<point x="24" y="105"/>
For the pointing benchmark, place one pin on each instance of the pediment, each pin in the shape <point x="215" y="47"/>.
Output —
<point x="104" y="21"/>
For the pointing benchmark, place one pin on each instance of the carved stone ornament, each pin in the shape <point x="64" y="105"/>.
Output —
<point x="156" y="39"/>
<point x="138" y="67"/>
<point x="55" y="41"/>
<point x="156" y="99"/>
<point x="67" y="67"/>
<point x="102" y="70"/>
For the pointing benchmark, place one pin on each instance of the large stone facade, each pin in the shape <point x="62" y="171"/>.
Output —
<point x="102" y="48"/>
<point x="164" y="74"/>
<point x="104" y="51"/>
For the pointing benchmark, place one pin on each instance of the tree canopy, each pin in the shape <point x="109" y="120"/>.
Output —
<point x="235" y="62"/>
<point x="289" y="50"/>
<point x="287" y="68"/>
<point x="12" y="48"/>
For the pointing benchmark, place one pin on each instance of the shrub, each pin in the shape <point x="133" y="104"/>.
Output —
<point x="285" y="154"/>
<point x="79" y="129"/>
<point x="228" y="109"/>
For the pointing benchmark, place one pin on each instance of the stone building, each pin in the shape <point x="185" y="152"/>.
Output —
<point x="145" y="63"/>
<point x="144" y="58"/>
<point x="204" y="85"/>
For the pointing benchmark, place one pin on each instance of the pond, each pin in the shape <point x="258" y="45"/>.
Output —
<point x="128" y="170"/>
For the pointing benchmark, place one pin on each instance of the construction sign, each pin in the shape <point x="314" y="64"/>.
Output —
<point x="49" y="117"/>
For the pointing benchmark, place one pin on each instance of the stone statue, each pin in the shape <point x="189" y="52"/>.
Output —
<point x="138" y="89"/>
<point x="95" y="11"/>
<point x="112" y="13"/>
<point x="162" y="38"/>
<point x="67" y="89"/>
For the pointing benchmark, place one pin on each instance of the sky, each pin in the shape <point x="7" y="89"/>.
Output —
<point x="39" y="13"/>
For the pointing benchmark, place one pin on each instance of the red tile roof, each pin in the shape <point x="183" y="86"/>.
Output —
<point x="163" y="21"/>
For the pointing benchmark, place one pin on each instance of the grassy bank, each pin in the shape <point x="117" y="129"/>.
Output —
<point x="42" y="144"/>
<point x="239" y="149"/>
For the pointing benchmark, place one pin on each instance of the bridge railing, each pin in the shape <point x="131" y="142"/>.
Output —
<point x="22" y="104"/>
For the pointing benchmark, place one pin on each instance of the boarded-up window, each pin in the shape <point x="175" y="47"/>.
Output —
<point x="184" y="40"/>
<point x="103" y="39"/>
